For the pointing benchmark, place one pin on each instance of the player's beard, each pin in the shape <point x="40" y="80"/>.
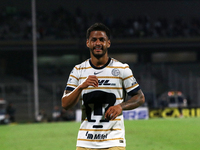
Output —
<point x="99" y="55"/>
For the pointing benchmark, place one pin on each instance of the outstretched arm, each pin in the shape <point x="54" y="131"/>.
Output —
<point x="70" y="98"/>
<point x="135" y="101"/>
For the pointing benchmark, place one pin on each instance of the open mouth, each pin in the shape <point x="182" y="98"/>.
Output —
<point x="97" y="49"/>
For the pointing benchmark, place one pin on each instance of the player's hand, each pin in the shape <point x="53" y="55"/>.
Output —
<point x="113" y="112"/>
<point x="91" y="80"/>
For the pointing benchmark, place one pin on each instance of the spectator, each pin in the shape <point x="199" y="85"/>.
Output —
<point x="56" y="114"/>
<point x="61" y="24"/>
<point x="42" y="116"/>
<point x="10" y="110"/>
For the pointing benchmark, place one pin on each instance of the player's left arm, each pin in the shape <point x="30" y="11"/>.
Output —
<point x="135" y="101"/>
<point x="133" y="90"/>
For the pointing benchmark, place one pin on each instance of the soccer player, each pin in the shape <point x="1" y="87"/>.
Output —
<point x="101" y="83"/>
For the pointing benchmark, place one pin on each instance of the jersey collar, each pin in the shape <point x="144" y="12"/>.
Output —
<point x="109" y="59"/>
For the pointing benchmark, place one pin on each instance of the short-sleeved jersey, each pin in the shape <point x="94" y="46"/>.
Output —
<point x="115" y="79"/>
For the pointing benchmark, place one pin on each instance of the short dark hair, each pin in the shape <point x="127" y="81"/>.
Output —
<point x="98" y="27"/>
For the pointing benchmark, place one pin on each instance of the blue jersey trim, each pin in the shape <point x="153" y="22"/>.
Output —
<point x="134" y="91"/>
<point x="69" y="88"/>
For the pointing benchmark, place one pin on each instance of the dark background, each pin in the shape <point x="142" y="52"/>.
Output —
<point x="162" y="59"/>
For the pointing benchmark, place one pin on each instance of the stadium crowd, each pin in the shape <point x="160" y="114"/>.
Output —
<point x="61" y="24"/>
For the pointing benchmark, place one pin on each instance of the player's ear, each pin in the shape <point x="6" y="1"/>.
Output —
<point x="87" y="43"/>
<point x="109" y="43"/>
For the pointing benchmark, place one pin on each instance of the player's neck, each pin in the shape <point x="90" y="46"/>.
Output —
<point x="99" y="62"/>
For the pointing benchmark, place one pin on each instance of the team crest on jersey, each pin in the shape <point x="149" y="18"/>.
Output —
<point x="115" y="72"/>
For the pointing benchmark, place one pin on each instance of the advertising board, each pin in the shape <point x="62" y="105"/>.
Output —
<point x="174" y="112"/>
<point x="135" y="114"/>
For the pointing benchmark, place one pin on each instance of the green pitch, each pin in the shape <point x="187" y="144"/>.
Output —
<point x="153" y="134"/>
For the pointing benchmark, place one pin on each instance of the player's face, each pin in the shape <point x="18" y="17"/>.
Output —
<point x="98" y="43"/>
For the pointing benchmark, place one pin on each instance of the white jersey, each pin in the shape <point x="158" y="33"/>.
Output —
<point x="114" y="79"/>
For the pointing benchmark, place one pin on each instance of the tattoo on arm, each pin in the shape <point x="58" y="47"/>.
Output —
<point x="134" y="102"/>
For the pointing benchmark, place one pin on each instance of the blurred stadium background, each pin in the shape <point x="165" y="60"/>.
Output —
<point x="159" y="39"/>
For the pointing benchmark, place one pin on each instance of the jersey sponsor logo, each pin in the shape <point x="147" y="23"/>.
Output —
<point x="96" y="136"/>
<point x="105" y="82"/>
<point x="95" y="73"/>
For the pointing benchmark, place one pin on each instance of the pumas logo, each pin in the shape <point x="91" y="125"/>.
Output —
<point x="95" y="73"/>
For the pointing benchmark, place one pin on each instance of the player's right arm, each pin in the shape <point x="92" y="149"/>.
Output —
<point x="70" y="98"/>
